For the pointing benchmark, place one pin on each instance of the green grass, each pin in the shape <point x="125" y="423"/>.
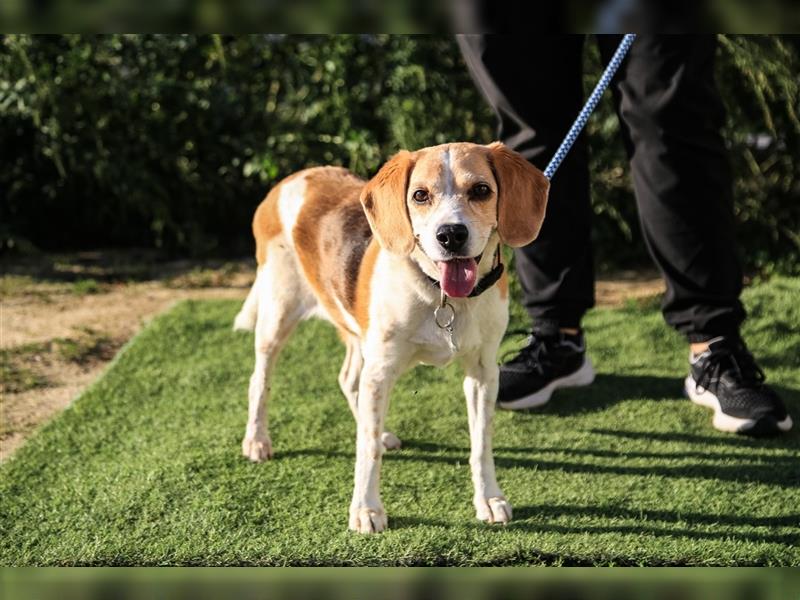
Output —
<point x="144" y="468"/>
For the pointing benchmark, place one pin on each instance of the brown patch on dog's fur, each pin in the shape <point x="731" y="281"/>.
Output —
<point x="384" y="201"/>
<point x="354" y="222"/>
<point x="502" y="284"/>
<point x="364" y="284"/>
<point x="331" y="236"/>
<point x="522" y="195"/>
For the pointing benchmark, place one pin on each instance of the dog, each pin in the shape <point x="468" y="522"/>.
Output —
<point x="407" y="268"/>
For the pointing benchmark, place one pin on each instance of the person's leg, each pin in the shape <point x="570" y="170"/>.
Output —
<point x="535" y="107"/>
<point x="671" y="115"/>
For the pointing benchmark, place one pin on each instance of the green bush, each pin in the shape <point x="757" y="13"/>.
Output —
<point x="171" y="141"/>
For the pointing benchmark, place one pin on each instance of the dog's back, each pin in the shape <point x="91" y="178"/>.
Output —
<point x="313" y="221"/>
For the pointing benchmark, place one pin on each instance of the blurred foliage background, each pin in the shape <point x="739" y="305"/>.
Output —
<point x="170" y="142"/>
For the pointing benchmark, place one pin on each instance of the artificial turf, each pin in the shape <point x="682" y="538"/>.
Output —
<point x="145" y="467"/>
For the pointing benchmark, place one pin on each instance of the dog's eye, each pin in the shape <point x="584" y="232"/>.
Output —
<point x="480" y="191"/>
<point x="421" y="196"/>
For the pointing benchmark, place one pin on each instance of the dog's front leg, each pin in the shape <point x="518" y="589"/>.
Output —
<point x="480" y="388"/>
<point x="366" y="510"/>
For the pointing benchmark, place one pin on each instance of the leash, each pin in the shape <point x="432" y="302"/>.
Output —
<point x="590" y="105"/>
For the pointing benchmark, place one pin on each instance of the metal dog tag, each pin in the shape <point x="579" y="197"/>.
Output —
<point x="445" y="315"/>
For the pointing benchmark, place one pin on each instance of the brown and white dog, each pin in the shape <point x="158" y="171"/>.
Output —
<point x="377" y="259"/>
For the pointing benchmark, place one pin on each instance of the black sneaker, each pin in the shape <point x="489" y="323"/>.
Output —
<point x="547" y="362"/>
<point x="726" y="379"/>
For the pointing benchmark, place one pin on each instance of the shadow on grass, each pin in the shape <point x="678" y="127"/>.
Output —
<point x="538" y="519"/>
<point x="646" y="516"/>
<point x="625" y="454"/>
<point x="788" y="441"/>
<point x="778" y="471"/>
<point x="640" y="530"/>
<point x="655" y="522"/>
<point x="784" y="360"/>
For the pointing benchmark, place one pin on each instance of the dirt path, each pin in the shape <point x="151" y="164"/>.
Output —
<point x="59" y="329"/>
<point x="57" y="336"/>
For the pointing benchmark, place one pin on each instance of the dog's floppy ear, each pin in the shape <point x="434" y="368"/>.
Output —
<point x="384" y="201"/>
<point x="521" y="196"/>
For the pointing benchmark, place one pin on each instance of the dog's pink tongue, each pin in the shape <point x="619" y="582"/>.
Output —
<point x="458" y="276"/>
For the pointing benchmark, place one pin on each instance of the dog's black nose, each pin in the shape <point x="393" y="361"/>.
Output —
<point x="452" y="237"/>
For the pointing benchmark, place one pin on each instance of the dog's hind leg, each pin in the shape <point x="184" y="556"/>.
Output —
<point x="349" y="378"/>
<point x="281" y="305"/>
<point x="350" y="372"/>
<point x="246" y="319"/>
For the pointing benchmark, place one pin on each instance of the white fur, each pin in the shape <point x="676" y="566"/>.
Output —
<point x="290" y="201"/>
<point x="449" y="176"/>
<point x="401" y="334"/>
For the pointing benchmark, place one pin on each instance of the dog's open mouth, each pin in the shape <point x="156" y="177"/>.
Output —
<point x="458" y="276"/>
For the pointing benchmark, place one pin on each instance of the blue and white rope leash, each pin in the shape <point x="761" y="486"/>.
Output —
<point x="590" y="105"/>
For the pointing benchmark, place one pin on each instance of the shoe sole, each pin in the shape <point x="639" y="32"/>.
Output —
<point x="583" y="376"/>
<point x="764" y="426"/>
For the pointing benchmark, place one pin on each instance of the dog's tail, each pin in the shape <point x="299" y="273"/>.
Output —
<point x="246" y="319"/>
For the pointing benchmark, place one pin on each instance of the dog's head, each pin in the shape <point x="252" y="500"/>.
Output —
<point x="449" y="200"/>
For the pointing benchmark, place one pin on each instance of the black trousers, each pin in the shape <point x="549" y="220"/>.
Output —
<point x="670" y="116"/>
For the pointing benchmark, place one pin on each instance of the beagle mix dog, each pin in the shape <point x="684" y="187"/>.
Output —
<point x="407" y="268"/>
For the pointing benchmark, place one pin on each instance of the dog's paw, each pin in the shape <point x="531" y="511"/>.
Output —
<point x="367" y="520"/>
<point x="257" y="449"/>
<point x="390" y="440"/>
<point x="493" y="510"/>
